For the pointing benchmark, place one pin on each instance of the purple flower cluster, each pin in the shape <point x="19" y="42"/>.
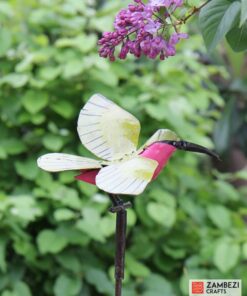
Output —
<point x="166" y="3"/>
<point x="143" y="29"/>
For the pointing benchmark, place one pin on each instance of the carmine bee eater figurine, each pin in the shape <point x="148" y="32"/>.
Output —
<point x="112" y="133"/>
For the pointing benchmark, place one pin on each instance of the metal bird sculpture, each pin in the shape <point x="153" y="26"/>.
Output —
<point x="112" y="133"/>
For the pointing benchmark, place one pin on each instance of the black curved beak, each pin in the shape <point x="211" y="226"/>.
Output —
<point x="187" y="146"/>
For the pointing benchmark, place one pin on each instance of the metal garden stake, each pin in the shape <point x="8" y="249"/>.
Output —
<point x="112" y="133"/>
<point x="119" y="207"/>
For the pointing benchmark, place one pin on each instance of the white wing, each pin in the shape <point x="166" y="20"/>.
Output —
<point x="107" y="130"/>
<point x="56" y="162"/>
<point x="127" y="177"/>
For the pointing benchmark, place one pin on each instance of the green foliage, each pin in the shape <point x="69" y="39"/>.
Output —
<point x="224" y="18"/>
<point x="216" y="19"/>
<point x="67" y="286"/>
<point x="243" y="12"/>
<point x="237" y="37"/>
<point x="224" y="248"/>
<point x="57" y="236"/>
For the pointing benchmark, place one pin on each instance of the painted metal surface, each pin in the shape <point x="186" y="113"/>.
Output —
<point x="112" y="134"/>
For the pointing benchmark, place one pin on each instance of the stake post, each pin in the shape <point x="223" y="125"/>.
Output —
<point x="119" y="207"/>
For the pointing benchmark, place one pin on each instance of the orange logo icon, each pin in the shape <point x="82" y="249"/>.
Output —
<point x="197" y="287"/>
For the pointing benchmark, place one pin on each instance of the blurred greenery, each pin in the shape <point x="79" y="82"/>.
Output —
<point x="57" y="236"/>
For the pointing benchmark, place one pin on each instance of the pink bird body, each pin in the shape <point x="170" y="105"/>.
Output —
<point x="161" y="152"/>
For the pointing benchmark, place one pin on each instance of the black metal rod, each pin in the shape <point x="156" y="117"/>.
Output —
<point x="119" y="207"/>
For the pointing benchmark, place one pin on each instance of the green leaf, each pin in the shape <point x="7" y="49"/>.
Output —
<point x="8" y="293"/>
<point x="226" y="254"/>
<point x="156" y="285"/>
<point x="67" y="286"/>
<point x="24" y="207"/>
<point x="22" y="289"/>
<point x="70" y="261"/>
<point x="34" y="101"/>
<point x="73" y="68"/>
<point x="245" y="251"/>
<point x="26" y="249"/>
<point x="37" y="119"/>
<point x="5" y="41"/>
<point x="163" y="196"/>
<point x="136" y="268"/>
<point x="237" y="38"/>
<point x="27" y="169"/>
<point x="155" y="111"/>
<point x="131" y="218"/>
<point x="227" y="190"/>
<point x="50" y="241"/>
<point x="13" y="146"/>
<point x="162" y="214"/>
<point x="216" y="19"/>
<point x="53" y="142"/>
<point x="49" y="73"/>
<point x="223" y="129"/>
<point x="83" y="42"/>
<point x="3" y="153"/>
<point x="15" y="80"/>
<point x="99" y="279"/>
<point x="174" y="252"/>
<point x="107" y="225"/>
<point x="63" y="108"/>
<point x="109" y="78"/>
<point x="90" y="224"/>
<point x="241" y="174"/>
<point x="194" y="3"/>
<point x="141" y="246"/>
<point x="67" y="177"/>
<point x="243" y="17"/>
<point x="6" y="9"/>
<point x="64" y="214"/>
<point x="67" y="196"/>
<point x="220" y="216"/>
<point x="73" y="235"/>
<point x="87" y="43"/>
<point x="3" y="243"/>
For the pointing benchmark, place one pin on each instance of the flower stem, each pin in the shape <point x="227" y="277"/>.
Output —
<point x="195" y="10"/>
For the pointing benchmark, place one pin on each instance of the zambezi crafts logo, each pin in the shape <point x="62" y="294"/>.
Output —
<point x="197" y="288"/>
<point x="215" y="287"/>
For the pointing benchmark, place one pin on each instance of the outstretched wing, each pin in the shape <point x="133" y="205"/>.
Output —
<point x="107" y="130"/>
<point x="56" y="162"/>
<point x="127" y="177"/>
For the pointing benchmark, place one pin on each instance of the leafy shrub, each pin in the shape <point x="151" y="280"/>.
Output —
<point x="57" y="237"/>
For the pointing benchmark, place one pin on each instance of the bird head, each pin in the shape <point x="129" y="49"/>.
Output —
<point x="161" y="135"/>
<point x="169" y="137"/>
<point x="188" y="146"/>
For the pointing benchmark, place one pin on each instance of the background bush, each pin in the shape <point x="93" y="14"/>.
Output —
<point x="57" y="237"/>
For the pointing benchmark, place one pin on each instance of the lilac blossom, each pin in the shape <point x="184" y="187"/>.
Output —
<point x="152" y="26"/>
<point x="142" y="29"/>
<point x="165" y="3"/>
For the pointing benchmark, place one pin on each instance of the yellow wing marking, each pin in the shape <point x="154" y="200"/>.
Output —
<point x="127" y="177"/>
<point x="107" y="130"/>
